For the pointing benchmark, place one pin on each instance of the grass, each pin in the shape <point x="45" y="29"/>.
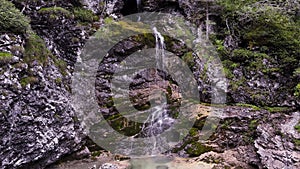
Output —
<point x="5" y="58"/>
<point x="55" y="12"/>
<point x="28" y="80"/>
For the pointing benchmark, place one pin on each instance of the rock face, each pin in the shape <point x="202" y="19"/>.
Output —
<point x="246" y="138"/>
<point x="38" y="125"/>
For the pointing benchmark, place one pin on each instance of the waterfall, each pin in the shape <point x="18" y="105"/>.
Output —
<point x="139" y="5"/>
<point x="160" y="49"/>
<point x="159" y="120"/>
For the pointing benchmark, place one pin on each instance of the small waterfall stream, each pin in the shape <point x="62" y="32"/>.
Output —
<point x="159" y="119"/>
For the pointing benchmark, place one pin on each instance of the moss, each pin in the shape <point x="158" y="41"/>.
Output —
<point x="60" y="64"/>
<point x="96" y="153"/>
<point x="28" y="80"/>
<point x="5" y="58"/>
<point x="11" y="19"/>
<point x="35" y="50"/>
<point x="85" y="15"/>
<point x="55" y="12"/>
<point x="297" y="142"/>
<point x="193" y="132"/>
<point x="248" y="105"/>
<point x="58" y="81"/>
<point x="277" y="109"/>
<point x="196" y="149"/>
<point x="253" y="125"/>
<point x="297" y="127"/>
<point x="189" y="59"/>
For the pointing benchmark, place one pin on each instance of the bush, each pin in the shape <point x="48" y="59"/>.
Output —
<point x="11" y="19"/>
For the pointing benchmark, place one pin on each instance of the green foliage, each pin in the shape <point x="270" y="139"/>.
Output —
<point x="264" y="27"/>
<point x="55" y="12"/>
<point x="5" y="58"/>
<point x="85" y="15"/>
<point x="297" y="90"/>
<point x="297" y="127"/>
<point x="35" y="50"/>
<point x="11" y="19"/>
<point x="242" y="55"/>
<point x="297" y="142"/>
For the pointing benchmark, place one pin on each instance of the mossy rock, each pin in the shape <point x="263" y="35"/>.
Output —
<point x="297" y="127"/>
<point x="84" y="15"/>
<point x="55" y="12"/>
<point x="196" y="149"/>
<point x="5" y="58"/>
<point x="11" y="19"/>
<point x="35" y="50"/>
<point x="29" y="80"/>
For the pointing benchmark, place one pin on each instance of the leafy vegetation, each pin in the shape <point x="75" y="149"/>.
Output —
<point x="11" y="19"/>
<point x="264" y="30"/>
<point x="297" y="90"/>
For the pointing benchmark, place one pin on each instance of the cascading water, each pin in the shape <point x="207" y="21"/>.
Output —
<point x="139" y="5"/>
<point x="160" y="49"/>
<point x="159" y="120"/>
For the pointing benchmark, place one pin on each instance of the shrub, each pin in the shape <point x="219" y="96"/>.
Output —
<point x="11" y="19"/>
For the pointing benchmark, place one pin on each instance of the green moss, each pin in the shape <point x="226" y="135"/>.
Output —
<point x="297" y="142"/>
<point x="28" y="80"/>
<point x="5" y="58"/>
<point x="297" y="127"/>
<point x="248" y="105"/>
<point x="277" y="109"/>
<point x="253" y="125"/>
<point x="60" y="64"/>
<point x="96" y="153"/>
<point x="85" y="15"/>
<point x="58" y="81"/>
<point x="189" y="59"/>
<point x="196" y="149"/>
<point x="11" y="19"/>
<point x="193" y="132"/>
<point x="55" y="12"/>
<point x="35" y="50"/>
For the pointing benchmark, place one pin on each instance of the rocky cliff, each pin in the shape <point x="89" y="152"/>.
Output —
<point x="258" y="43"/>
